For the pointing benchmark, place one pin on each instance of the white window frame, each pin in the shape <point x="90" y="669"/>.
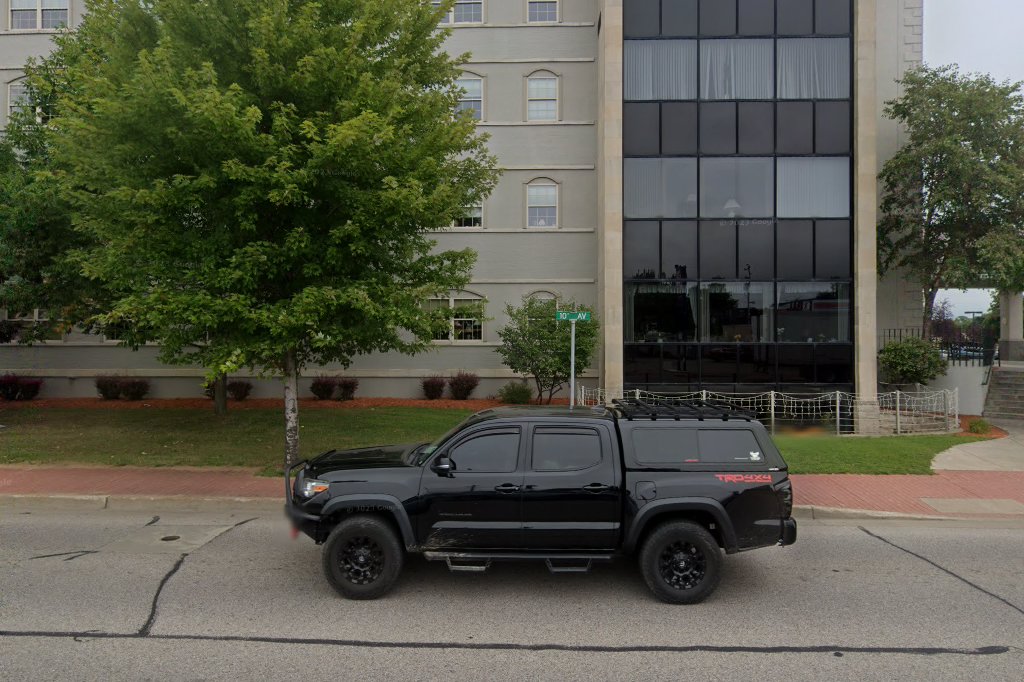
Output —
<point x="11" y="105"/>
<point x="543" y="182"/>
<point x="475" y="77"/>
<point x="558" y="12"/>
<point x="449" y="19"/>
<point x="479" y="209"/>
<point x="544" y="75"/>
<point x="450" y="300"/>
<point x="39" y="16"/>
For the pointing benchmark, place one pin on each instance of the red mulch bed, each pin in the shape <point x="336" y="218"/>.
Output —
<point x="253" y="404"/>
<point x="965" y="422"/>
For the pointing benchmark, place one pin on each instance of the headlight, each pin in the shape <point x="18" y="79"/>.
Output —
<point x="311" y="487"/>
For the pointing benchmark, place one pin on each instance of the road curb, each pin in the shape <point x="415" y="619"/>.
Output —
<point x="144" y="503"/>
<point x="815" y="512"/>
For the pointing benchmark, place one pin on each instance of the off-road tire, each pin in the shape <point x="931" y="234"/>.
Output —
<point x="681" y="562"/>
<point x="362" y="557"/>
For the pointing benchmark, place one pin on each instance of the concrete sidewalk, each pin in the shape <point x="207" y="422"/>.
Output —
<point x="973" y="480"/>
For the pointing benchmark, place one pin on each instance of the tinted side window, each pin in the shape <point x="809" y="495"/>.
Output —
<point x="493" y="452"/>
<point x="565" y="449"/>
<point x="653" y="445"/>
<point x="729" y="446"/>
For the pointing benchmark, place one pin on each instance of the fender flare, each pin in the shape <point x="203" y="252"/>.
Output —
<point x="386" y="504"/>
<point x="649" y="511"/>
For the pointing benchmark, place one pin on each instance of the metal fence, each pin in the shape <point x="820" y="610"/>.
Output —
<point x="960" y="351"/>
<point x="835" y="412"/>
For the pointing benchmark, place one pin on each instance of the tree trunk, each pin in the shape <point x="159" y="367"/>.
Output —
<point x="929" y="309"/>
<point x="220" y="395"/>
<point x="291" y="409"/>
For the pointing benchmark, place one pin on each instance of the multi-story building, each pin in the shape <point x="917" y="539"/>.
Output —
<point x="702" y="171"/>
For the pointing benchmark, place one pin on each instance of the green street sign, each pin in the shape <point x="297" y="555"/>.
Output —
<point x="570" y="316"/>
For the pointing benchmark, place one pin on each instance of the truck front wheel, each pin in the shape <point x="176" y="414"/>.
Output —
<point x="362" y="557"/>
<point x="681" y="562"/>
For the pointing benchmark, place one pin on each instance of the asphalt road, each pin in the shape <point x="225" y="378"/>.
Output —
<point x="101" y="595"/>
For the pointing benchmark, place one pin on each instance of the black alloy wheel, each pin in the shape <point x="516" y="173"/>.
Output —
<point x="363" y="557"/>
<point x="682" y="565"/>
<point x="681" y="562"/>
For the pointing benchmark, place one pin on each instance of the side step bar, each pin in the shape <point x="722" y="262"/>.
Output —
<point x="478" y="562"/>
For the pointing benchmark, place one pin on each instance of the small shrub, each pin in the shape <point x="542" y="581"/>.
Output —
<point x="239" y="390"/>
<point x="515" y="393"/>
<point x="9" y="387"/>
<point x="109" y="388"/>
<point x="463" y="384"/>
<point x="347" y="388"/>
<point x="979" y="426"/>
<point x="433" y="387"/>
<point x="134" y="389"/>
<point x="912" y="361"/>
<point x="323" y="387"/>
<point x="29" y="388"/>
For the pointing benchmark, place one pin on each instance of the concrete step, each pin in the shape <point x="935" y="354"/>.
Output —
<point x="1004" y="415"/>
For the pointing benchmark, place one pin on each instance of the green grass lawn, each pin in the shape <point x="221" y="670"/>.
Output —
<point x="254" y="438"/>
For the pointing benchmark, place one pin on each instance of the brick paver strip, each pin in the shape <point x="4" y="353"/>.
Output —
<point x="878" y="493"/>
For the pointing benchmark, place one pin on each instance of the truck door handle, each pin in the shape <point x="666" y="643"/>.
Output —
<point x="507" y="488"/>
<point x="597" y="488"/>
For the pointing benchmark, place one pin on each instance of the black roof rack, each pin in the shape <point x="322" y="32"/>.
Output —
<point x="680" y="408"/>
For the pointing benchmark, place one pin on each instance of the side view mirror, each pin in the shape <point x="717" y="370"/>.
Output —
<point x="443" y="466"/>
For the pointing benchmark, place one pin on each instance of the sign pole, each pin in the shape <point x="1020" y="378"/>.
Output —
<point x="572" y="367"/>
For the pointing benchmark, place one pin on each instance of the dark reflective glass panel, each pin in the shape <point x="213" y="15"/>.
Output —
<point x="756" y="364"/>
<point x="796" y="363"/>
<point x="756" y="250"/>
<point x="640" y="125"/>
<point x="794" y="124"/>
<point x="756" y="126"/>
<point x="495" y="453"/>
<point x="796" y="17"/>
<point x="679" y="18"/>
<point x="641" y="18"/>
<point x="718" y="128"/>
<point x="834" y="364"/>
<point x="655" y="444"/>
<point x="680" y="365"/>
<point x="737" y="187"/>
<point x="832" y="17"/>
<point x="832" y="128"/>
<point x="756" y="17"/>
<point x="795" y="250"/>
<point x="718" y="249"/>
<point x="736" y="311"/>
<point x="660" y="312"/>
<point x="813" y="312"/>
<point x="728" y="446"/>
<point x="679" y="250"/>
<point x="678" y="128"/>
<point x="718" y="364"/>
<point x="640" y="253"/>
<point x="565" y="449"/>
<point x="832" y="249"/>
<point x="717" y="17"/>
<point x="642" y="364"/>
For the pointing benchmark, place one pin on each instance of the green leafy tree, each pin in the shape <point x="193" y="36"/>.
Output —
<point x="260" y="177"/>
<point x="912" y="361"/>
<point x="953" y="195"/>
<point x="535" y="344"/>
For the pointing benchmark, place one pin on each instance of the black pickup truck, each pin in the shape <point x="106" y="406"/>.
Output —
<point x="673" y="484"/>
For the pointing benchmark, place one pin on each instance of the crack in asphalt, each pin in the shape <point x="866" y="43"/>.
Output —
<point x="944" y="570"/>
<point x="71" y="556"/>
<point x="153" y="520"/>
<point x="513" y="646"/>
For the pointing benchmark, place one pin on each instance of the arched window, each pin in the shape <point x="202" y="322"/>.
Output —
<point x="542" y="96"/>
<point x="467" y="323"/>
<point x="542" y="203"/>
<point x="472" y="99"/>
<point x="542" y="11"/>
<point x="543" y="295"/>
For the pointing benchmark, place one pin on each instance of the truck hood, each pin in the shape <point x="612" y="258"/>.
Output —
<point x="377" y="457"/>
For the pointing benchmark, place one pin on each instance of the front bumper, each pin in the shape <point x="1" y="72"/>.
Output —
<point x="788" y="532"/>
<point x="302" y="520"/>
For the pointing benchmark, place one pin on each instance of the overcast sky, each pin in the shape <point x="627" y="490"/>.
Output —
<point x="979" y="35"/>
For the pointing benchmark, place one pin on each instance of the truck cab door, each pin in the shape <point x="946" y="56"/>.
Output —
<point x="572" y="489"/>
<point x="477" y="504"/>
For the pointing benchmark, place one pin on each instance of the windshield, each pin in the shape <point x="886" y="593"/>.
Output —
<point x="424" y="452"/>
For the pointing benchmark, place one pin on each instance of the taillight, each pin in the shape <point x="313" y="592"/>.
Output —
<point x="785" y="490"/>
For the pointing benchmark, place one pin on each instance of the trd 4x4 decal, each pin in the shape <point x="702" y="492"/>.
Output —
<point x="744" y="478"/>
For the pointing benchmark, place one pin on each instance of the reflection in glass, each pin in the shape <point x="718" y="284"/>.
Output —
<point x="640" y="250"/>
<point x="659" y="312"/>
<point x="813" y="312"/>
<point x="736" y="311"/>
<point x="736" y="187"/>
<point x="660" y="188"/>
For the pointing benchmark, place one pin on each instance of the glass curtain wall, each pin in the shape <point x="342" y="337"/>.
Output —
<point x="737" y="241"/>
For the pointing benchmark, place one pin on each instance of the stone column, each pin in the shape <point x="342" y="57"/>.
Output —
<point x="865" y="187"/>
<point x="1011" y="326"/>
<point x="609" y="192"/>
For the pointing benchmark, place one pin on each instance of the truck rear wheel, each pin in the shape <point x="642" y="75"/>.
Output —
<point x="362" y="558"/>
<point x="681" y="562"/>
